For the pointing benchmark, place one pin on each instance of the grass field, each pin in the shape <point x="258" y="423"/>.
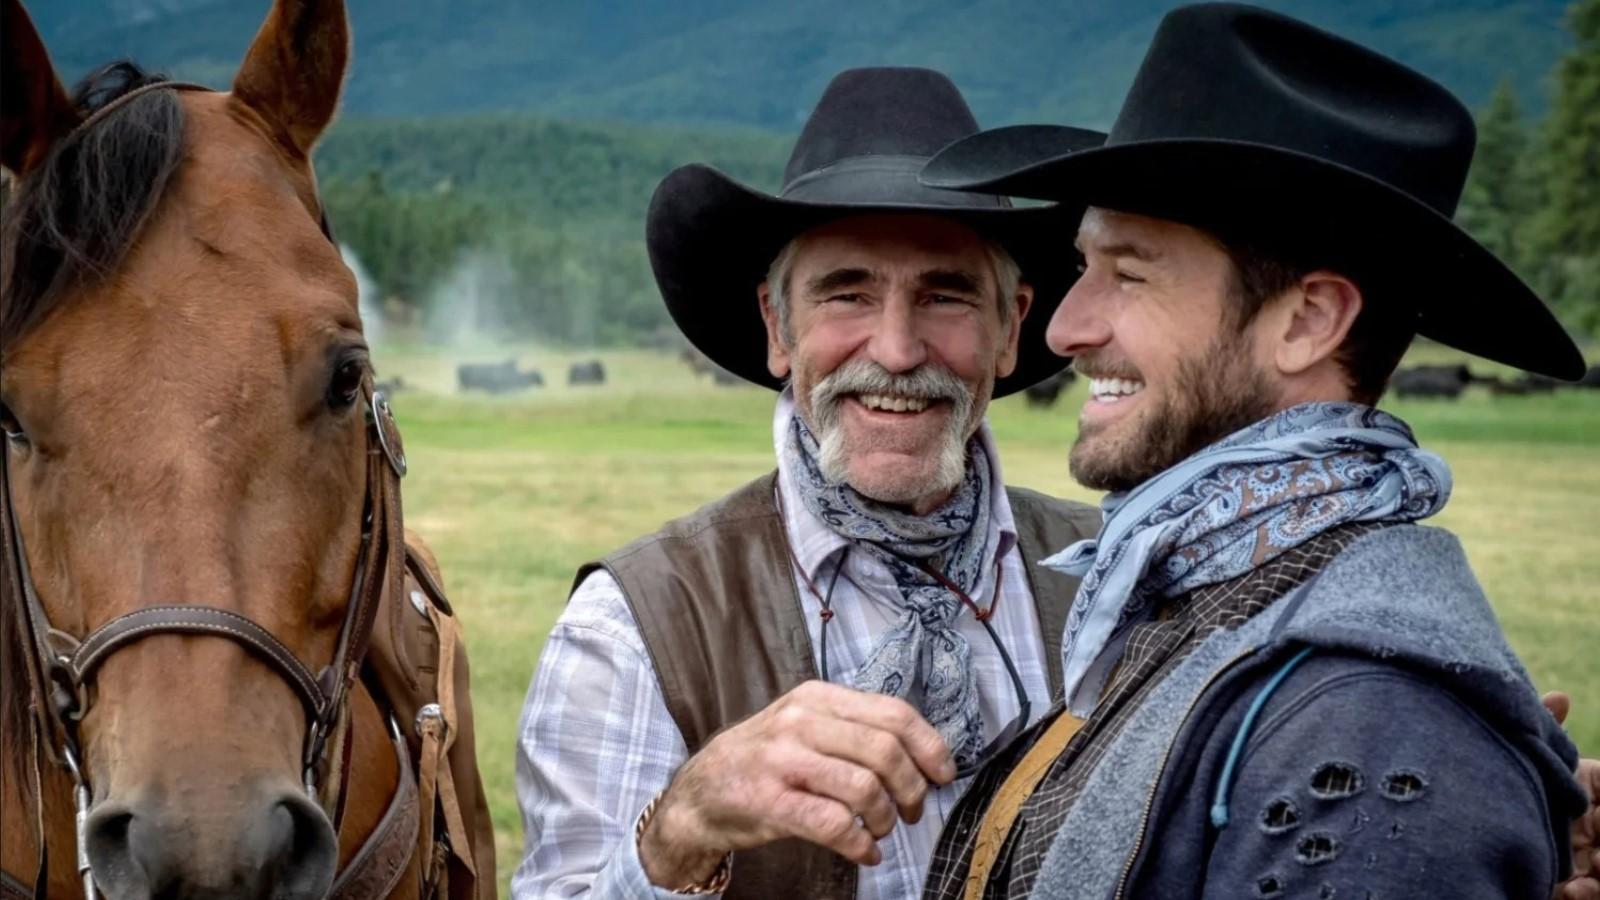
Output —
<point x="515" y="492"/>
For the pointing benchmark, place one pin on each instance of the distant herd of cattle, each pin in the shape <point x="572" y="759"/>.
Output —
<point x="505" y="377"/>
<point x="1449" y="381"/>
<point x="1419" y="381"/>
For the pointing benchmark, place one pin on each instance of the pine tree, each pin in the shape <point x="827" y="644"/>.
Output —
<point x="1498" y="200"/>
<point x="1566" y="232"/>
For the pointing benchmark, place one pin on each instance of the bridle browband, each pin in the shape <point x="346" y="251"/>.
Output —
<point x="61" y="667"/>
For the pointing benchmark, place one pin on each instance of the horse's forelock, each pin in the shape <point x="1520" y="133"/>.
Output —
<point x="72" y="219"/>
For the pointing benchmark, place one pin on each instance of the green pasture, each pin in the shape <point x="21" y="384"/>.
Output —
<point x="515" y="492"/>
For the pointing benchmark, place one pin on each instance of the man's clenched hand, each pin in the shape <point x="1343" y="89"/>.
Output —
<point x="829" y="764"/>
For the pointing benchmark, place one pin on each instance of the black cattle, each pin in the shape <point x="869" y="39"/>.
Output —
<point x="1044" y="393"/>
<point x="496" y="378"/>
<point x="1432" y="381"/>
<point x="589" y="371"/>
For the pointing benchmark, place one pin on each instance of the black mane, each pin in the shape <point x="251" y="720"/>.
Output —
<point x="71" y="219"/>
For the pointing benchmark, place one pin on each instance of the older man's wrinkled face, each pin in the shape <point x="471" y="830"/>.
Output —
<point x="895" y="339"/>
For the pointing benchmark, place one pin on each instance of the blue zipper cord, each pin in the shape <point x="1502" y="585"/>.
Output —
<point x="1219" y="806"/>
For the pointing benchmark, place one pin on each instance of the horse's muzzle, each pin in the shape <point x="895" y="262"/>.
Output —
<point x="278" y="847"/>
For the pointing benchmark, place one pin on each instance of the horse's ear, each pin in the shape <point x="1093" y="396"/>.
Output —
<point x="295" y="67"/>
<point x="34" y="109"/>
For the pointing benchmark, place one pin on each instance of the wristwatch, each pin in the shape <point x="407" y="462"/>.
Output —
<point x="719" y="878"/>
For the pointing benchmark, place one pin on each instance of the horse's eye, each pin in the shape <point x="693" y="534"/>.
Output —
<point x="345" y="388"/>
<point x="12" y="428"/>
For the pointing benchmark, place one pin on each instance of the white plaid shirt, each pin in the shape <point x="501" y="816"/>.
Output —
<point x="596" y="741"/>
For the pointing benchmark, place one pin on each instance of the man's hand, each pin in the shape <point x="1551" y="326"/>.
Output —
<point x="1585" y="881"/>
<point x="828" y="764"/>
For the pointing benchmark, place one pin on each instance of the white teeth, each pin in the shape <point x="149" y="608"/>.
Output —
<point x="1106" y="389"/>
<point x="891" y="403"/>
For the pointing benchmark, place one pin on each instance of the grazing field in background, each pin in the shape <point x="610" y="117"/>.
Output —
<point x="514" y="492"/>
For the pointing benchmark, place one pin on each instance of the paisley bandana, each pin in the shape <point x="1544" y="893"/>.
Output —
<point x="924" y="646"/>
<point x="1229" y="508"/>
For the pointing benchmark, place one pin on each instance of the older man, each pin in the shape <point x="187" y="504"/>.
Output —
<point x="1276" y="685"/>
<point x="796" y="680"/>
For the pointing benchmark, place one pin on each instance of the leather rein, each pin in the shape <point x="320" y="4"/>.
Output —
<point x="61" y="667"/>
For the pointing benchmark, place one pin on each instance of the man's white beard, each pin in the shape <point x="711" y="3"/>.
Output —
<point x="931" y="383"/>
<point x="950" y="468"/>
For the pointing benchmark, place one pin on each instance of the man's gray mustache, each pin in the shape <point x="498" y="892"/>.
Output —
<point x="927" y="383"/>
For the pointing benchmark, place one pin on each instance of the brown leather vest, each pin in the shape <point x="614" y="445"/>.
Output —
<point x="716" y="603"/>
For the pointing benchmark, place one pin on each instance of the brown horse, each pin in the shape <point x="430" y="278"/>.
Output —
<point x="201" y="512"/>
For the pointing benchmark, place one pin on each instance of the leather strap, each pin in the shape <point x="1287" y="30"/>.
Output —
<point x="381" y="862"/>
<point x="432" y="730"/>
<point x="379" y="571"/>
<point x="152" y="620"/>
<point x="447" y="629"/>
<point x="12" y="889"/>
<point x="438" y="732"/>
<point x="31" y="621"/>
<point x="41" y="878"/>
<point x="418" y="569"/>
<point x="1007" y="802"/>
<point x="100" y="114"/>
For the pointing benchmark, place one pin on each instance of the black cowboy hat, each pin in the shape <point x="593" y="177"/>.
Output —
<point x="711" y="239"/>
<point x="1244" y="121"/>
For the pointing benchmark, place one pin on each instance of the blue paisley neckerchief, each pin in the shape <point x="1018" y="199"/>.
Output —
<point x="924" y="645"/>
<point x="1230" y="508"/>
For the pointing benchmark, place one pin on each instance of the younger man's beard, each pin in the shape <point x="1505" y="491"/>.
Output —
<point x="1214" y="394"/>
<point x="928" y="382"/>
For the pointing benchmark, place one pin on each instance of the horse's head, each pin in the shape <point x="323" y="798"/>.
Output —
<point x="183" y="408"/>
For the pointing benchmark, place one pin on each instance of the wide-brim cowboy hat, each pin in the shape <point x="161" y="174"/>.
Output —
<point x="712" y="239"/>
<point x="1244" y="121"/>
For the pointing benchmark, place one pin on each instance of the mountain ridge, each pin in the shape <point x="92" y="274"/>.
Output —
<point x="762" y="64"/>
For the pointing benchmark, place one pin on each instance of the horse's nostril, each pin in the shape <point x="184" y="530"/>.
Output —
<point x="300" y="846"/>
<point x="125" y="863"/>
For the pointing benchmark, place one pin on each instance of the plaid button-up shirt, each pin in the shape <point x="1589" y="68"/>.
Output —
<point x="1153" y="649"/>
<point x="596" y="742"/>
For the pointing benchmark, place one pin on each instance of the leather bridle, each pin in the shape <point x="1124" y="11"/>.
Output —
<point x="61" y="667"/>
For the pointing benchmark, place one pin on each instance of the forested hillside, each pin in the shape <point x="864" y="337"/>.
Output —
<point x="541" y="222"/>
<point x="761" y="62"/>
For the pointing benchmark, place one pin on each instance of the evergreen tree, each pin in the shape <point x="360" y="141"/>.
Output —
<point x="1498" y="198"/>
<point x="407" y="240"/>
<point x="1566" y="232"/>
